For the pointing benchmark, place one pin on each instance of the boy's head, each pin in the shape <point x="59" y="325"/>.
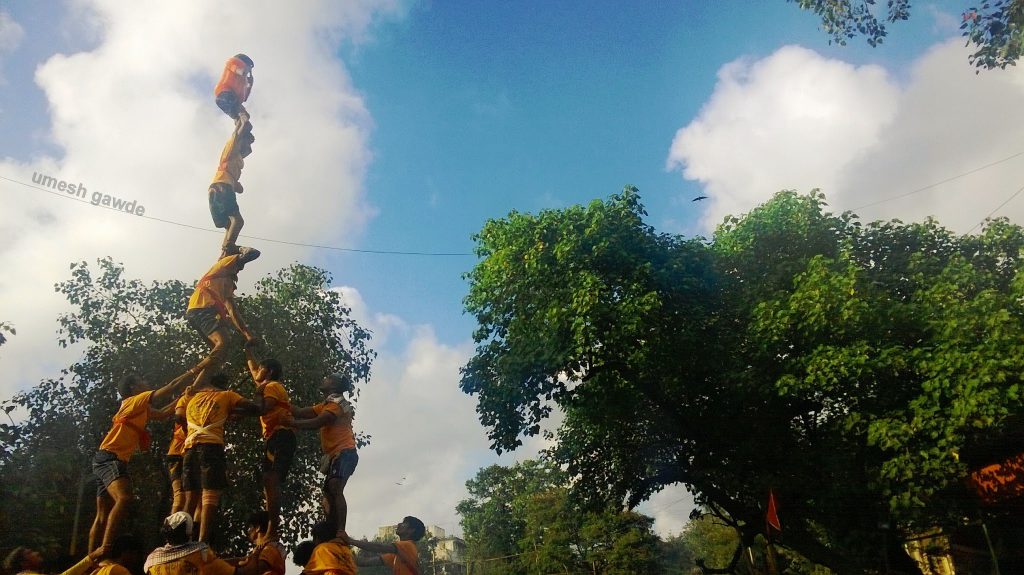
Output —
<point x="337" y="383"/>
<point x="270" y="370"/>
<point x="131" y="385"/>
<point x="257" y="525"/>
<point x="177" y="528"/>
<point x="303" y="552"/>
<point x="219" y="380"/>
<point x="324" y="531"/>
<point x="410" y="529"/>
<point x="23" y="559"/>
<point x="127" y="550"/>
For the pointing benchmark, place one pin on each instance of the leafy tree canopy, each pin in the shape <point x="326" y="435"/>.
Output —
<point x="994" y="28"/>
<point x="858" y="370"/>
<point x="127" y="326"/>
<point x="521" y="520"/>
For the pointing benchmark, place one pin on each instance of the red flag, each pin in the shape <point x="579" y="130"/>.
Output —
<point x="771" y="517"/>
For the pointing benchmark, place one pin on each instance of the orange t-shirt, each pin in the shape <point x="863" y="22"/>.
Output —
<point x="331" y="558"/>
<point x="177" y="446"/>
<point x="271" y="421"/>
<point x="401" y="566"/>
<point x="273" y="554"/>
<point x="199" y="562"/>
<point x="206" y="413"/>
<point x="229" y="171"/>
<point x="217" y="285"/>
<point x="338" y="435"/>
<point x="129" y="429"/>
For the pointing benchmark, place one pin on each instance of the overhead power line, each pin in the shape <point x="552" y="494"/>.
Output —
<point x="259" y="238"/>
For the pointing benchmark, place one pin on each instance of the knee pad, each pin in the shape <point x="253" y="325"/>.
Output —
<point x="211" y="497"/>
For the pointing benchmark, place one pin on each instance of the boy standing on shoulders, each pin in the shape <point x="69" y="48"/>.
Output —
<point x="126" y="436"/>
<point x="401" y="556"/>
<point x="205" y="465"/>
<point x="212" y="305"/>
<point x="280" y="441"/>
<point x="333" y="417"/>
<point x="223" y="203"/>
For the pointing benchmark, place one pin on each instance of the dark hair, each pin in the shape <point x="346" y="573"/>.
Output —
<point x="341" y="381"/>
<point x="127" y="384"/>
<point x="176" y="536"/>
<point x="246" y="59"/>
<point x="12" y="564"/>
<point x="259" y="519"/>
<point x="125" y="543"/>
<point x="323" y="531"/>
<point x="275" y="367"/>
<point x="418" y="529"/>
<point x="220" y="380"/>
<point x="302" y="552"/>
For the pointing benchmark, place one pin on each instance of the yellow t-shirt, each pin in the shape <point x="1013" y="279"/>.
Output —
<point x="216" y="286"/>
<point x="400" y="566"/>
<point x="177" y="446"/>
<point x="271" y="421"/>
<point x="109" y="568"/>
<point x="207" y="412"/>
<point x="229" y="171"/>
<point x="331" y="558"/>
<point x="129" y="429"/>
<point x="338" y="435"/>
<point x="199" y="562"/>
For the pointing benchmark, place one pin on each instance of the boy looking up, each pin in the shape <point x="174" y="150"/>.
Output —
<point x="205" y="466"/>
<point x="333" y="417"/>
<point x="280" y="441"/>
<point x="128" y="434"/>
<point x="401" y="556"/>
<point x="212" y="305"/>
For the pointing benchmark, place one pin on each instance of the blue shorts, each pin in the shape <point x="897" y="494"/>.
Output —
<point x="342" y="466"/>
<point x="107" y="468"/>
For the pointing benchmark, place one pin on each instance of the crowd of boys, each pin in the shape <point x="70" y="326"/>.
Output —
<point x="200" y="405"/>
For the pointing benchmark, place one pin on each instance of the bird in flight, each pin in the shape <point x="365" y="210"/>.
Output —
<point x="699" y="198"/>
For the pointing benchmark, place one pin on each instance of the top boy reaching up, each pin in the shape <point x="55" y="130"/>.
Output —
<point x="235" y="85"/>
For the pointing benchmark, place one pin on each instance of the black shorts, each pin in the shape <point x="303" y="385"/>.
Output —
<point x="279" y="453"/>
<point x="205" y="467"/>
<point x="174" y="463"/>
<point x="222" y="203"/>
<point x="342" y="466"/>
<point x="107" y="468"/>
<point x="205" y="320"/>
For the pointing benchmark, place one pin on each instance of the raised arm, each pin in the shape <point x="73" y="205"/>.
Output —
<point x="236" y="318"/>
<point x="318" y="421"/>
<point x="373" y="546"/>
<point x="172" y="389"/>
<point x="250" y="361"/>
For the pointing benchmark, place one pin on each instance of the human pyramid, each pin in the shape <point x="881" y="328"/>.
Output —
<point x="200" y="409"/>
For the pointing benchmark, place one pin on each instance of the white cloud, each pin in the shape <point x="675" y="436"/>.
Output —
<point x="11" y="34"/>
<point x="135" y="118"/>
<point x="785" y="121"/>
<point x="796" y="120"/>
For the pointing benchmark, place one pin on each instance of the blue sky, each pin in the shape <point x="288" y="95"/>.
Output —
<point x="403" y="126"/>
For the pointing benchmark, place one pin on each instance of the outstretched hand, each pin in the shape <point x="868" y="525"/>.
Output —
<point x="252" y="342"/>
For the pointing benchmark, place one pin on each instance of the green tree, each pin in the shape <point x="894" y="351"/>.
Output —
<point x="994" y="28"/>
<point x="125" y="326"/>
<point x="858" y="370"/>
<point x="521" y="520"/>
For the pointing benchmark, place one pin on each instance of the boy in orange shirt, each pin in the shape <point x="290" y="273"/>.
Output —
<point x="325" y="555"/>
<point x="333" y="417"/>
<point x="401" y="556"/>
<point x="267" y="557"/>
<point x="212" y="305"/>
<point x="176" y="450"/>
<point x="205" y="466"/>
<point x="226" y="183"/>
<point x="280" y="442"/>
<point x="128" y="434"/>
